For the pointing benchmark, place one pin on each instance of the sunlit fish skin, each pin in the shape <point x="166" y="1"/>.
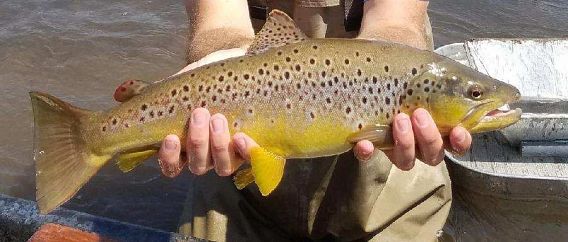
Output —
<point x="297" y="97"/>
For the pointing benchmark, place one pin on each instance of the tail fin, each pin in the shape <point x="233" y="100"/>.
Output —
<point x="63" y="161"/>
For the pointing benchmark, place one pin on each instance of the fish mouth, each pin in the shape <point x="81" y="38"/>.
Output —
<point x="494" y="115"/>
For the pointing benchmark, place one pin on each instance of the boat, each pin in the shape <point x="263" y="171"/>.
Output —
<point x="513" y="183"/>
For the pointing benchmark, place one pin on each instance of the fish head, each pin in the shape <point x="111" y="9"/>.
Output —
<point x="461" y="96"/>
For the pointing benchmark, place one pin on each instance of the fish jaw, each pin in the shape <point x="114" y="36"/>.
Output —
<point x="495" y="114"/>
<point x="494" y="120"/>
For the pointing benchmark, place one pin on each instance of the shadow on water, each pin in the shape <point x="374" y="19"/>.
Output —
<point x="81" y="50"/>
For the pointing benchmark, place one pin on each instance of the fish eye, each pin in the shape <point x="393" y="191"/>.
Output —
<point x="475" y="92"/>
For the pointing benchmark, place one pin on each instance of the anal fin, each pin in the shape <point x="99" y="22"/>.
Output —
<point x="128" y="161"/>
<point x="379" y="135"/>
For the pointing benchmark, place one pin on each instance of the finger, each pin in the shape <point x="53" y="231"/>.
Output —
<point x="198" y="142"/>
<point x="243" y="144"/>
<point x="219" y="139"/>
<point x="460" y="140"/>
<point x="169" y="156"/>
<point x="428" y="137"/>
<point x="363" y="150"/>
<point x="404" y="145"/>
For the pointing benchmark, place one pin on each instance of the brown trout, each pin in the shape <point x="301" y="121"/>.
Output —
<point x="297" y="97"/>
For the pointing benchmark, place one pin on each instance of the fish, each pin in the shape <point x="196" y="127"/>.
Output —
<point x="297" y="97"/>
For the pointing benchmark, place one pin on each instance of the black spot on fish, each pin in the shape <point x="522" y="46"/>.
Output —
<point x="230" y="73"/>
<point x="105" y="128"/>
<point x="387" y="115"/>
<point x="185" y="98"/>
<point x="279" y="53"/>
<point x="327" y="62"/>
<point x="200" y="88"/>
<point x="405" y="85"/>
<point x="261" y="71"/>
<point x="312" y="61"/>
<point x="409" y="92"/>
<point x="192" y="75"/>
<point x="323" y="74"/>
<point x="396" y="82"/>
<point x="312" y="115"/>
<point x="359" y="72"/>
<point x="203" y="103"/>
<point x="221" y="78"/>
<point x="387" y="101"/>
<point x="185" y="88"/>
<point x="426" y="89"/>
<point x="322" y="84"/>
<point x="114" y="121"/>
<point x="288" y="106"/>
<point x="160" y="113"/>
<point x="356" y="53"/>
<point x="414" y="71"/>
<point x="371" y="90"/>
<point x="375" y="80"/>
<point x="418" y="85"/>
<point x="151" y="114"/>
<point x="368" y="59"/>
<point x="315" y="47"/>
<point x="174" y="92"/>
<point x="247" y="93"/>
<point x="298" y="68"/>
<point x="246" y="76"/>
<point x="336" y="79"/>
<point x="208" y="89"/>
<point x="298" y="85"/>
<point x="439" y="86"/>
<point x="364" y="100"/>
<point x="276" y="67"/>
<point x="426" y="81"/>
<point x="171" y="110"/>
<point x="388" y="86"/>
<point x="330" y="83"/>
<point x="144" y="107"/>
<point x="346" y="61"/>
<point x="287" y="75"/>
<point x="328" y="100"/>
<point x="288" y="59"/>
<point x="386" y="68"/>
<point x="348" y="110"/>
<point x="296" y="51"/>
<point x="360" y="126"/>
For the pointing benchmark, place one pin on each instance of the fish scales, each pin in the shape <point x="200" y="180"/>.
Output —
<point x="296" y="97"/>
<point x="310" y="91"/>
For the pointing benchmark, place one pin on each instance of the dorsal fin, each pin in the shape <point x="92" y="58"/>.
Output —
<point x="279" y="30"/>
<point x="129" y="89"/>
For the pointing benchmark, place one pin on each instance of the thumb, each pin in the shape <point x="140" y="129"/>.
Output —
<point x="363" y="150"/>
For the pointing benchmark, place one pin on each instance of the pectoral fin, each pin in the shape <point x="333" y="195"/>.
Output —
<point x="267" y="171"/>
<point x="128" y="161"/>
<point x="379" y="135"/>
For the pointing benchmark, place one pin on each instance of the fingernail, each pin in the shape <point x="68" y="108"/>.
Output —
<point x="422" y="118"/>
<point x="170" y="145"/>
<point x="403" y="124"/>
<point x="460" y="137"/>
<point x="198" y="118"/>
<point x="241" y="145"/>
<point x="218" y="125"/>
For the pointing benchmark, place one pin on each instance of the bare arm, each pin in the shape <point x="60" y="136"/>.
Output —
<point x="401" y="21"/>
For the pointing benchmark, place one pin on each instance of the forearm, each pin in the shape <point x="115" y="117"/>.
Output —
<point x="401" y="21"/>
<point x="217" y="25"/>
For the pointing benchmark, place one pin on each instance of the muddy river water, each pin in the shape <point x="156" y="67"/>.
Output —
<point x="81" y="50"/>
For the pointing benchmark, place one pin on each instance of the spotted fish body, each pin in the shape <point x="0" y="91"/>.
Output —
<point x="296" y="97"/>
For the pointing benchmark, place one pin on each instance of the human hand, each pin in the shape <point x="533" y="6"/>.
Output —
<point x="417" y="137"/>
<point x="208" y="144"/>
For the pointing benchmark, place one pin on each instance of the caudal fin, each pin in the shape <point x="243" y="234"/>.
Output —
<point x="63" y="161"/>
